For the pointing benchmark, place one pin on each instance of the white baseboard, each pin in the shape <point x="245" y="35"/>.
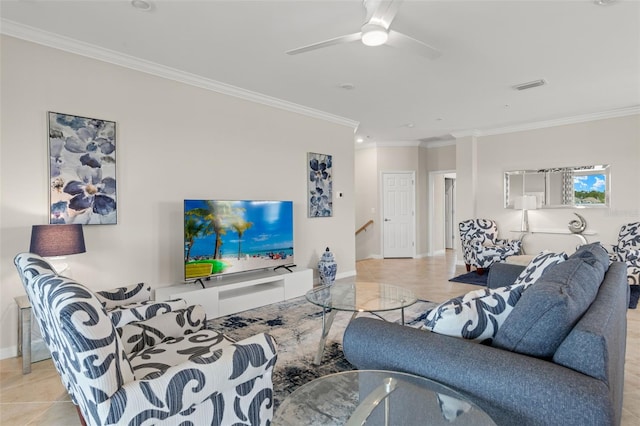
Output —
<point x="316" y="281"/>
<point x="346" y="274"/>
<point x="371" y="256"/>
<point x="10" y="352"/>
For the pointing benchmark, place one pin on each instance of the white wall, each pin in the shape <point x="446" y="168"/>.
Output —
<point x="482" y="161"/>
<point x="370" y="164"/>
<point x="435" y="162"/>
<point x="367" y="204"/>
<point x="174" y="141"/>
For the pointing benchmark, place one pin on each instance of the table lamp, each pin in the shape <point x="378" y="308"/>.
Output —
<point x="525" y="203"/>
<point x="57" y="241"/>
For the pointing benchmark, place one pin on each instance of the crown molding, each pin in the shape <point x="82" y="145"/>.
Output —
<point x="437" y="144"/>
<point x="615" y="113"/>
<point x="70" y="45"/>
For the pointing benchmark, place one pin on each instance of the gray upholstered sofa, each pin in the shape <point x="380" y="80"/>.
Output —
<point x="581" y="384"/>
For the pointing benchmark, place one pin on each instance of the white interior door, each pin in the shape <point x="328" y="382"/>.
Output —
<point x="398" y="225"/>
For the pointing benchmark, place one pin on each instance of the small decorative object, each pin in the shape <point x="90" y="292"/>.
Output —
<point x="577" y="226"/>
<point x="82" y="170"/>
<point x="327" y="268"/>
<point x="320" y="184"/>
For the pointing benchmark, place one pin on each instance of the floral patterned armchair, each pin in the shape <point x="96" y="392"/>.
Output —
<point x="628" y="251"/>
<point x="480" y="244"/>
<point x="167" y="369"/>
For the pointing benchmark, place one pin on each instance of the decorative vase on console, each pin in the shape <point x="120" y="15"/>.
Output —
<point x="327" y="268"/>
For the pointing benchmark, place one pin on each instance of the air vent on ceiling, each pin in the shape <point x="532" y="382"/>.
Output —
<point x="530" y="85"/>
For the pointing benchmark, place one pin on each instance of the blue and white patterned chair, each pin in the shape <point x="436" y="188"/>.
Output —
<point x="628" y="251"/>
<point x="481" y="246"/>
<point x="166" y="370"/>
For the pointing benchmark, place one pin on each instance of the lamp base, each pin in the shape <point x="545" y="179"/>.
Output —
<point x="524" y="225"/>
<point x="59" y="264"/>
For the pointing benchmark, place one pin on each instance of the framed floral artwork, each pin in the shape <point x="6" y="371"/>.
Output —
<point x="82" y="170"/>
<point x="320" y="185"/>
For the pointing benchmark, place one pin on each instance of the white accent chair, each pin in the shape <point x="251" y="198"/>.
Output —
<point x="165" y="370"/>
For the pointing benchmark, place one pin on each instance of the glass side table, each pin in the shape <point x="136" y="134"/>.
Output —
<point x="24" y="337"/>
<point x="382" y="398"/>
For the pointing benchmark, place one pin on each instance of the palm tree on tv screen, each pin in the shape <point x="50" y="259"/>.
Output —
<point x="193" y="228"/>
<point x="218" y="215"/>
<point x="240" y="225"/>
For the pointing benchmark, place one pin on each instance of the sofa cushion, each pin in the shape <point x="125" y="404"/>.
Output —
<point x="547" y="311"/>
<point x="538" y="266"/>
<point x="476" y="315"/>
<point x="593" y="252"/>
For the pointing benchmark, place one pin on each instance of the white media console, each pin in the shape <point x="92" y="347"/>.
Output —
<point x="226" y="295"/>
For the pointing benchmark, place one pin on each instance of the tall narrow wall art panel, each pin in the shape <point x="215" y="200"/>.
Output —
<point x="320" y="185"/>
<point x="82" y="170"/>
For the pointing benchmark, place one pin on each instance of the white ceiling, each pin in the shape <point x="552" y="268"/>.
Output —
<point x="588" y="54"/>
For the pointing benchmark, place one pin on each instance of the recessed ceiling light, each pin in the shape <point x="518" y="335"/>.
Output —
<point x="347" y="86"/>
<point x="141" y="5"/>
<point x="410" y="125"/>
<point x="603" y="2"/>
<point x="359" y="139"/>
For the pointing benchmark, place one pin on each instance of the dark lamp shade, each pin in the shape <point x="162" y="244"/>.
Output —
<point x="57" y="240"/>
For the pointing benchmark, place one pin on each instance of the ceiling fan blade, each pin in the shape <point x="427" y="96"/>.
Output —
<point x="337" y="40"/>
<point x="405" y="42"/>
<point x="381" y="12"/>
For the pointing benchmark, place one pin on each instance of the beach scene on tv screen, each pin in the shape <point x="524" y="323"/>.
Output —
<point x="224" y="237"/>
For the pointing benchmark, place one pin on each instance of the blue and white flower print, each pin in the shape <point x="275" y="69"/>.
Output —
<point x="82" y="170"/>
<point x="320" y="185"/>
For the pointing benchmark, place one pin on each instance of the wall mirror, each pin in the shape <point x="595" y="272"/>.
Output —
<point x="562" y="187"/>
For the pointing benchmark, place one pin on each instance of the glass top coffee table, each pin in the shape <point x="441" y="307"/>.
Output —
<point x="357" y="297"/>
<point x="377" y="398"/>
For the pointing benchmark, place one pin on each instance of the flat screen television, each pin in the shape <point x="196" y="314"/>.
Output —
<point x="230" y="236"/>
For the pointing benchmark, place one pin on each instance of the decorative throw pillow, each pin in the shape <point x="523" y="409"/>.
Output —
<point x="115" y="297"/>
<point x="547" y="311"/>
<point x="138" y="335"/>
<point x="538" y="265"/>
<point x="476" y="315"/>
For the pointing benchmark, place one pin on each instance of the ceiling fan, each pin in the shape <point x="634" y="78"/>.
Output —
<point x="376" y="32"/>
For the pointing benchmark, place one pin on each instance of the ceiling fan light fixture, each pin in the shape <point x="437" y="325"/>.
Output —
<point x="374" y="35"/>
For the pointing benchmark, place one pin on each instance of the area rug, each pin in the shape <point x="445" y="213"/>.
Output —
<point x="296" y="325"/>
<point x="472" y="278"/>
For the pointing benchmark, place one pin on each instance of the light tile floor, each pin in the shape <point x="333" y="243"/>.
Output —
<point x="40" y="399"/>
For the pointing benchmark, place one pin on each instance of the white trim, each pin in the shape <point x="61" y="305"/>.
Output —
<point x="430" y="209"/>
<point x="523" y="127"/>
<point x="70" y="45"/>
<point x="437" y="144"/>
<point x="396" y="144"/>
<point x="9" y="352"/>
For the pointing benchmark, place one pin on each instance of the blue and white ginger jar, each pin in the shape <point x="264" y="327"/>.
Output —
<point x="327" y="268"/>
